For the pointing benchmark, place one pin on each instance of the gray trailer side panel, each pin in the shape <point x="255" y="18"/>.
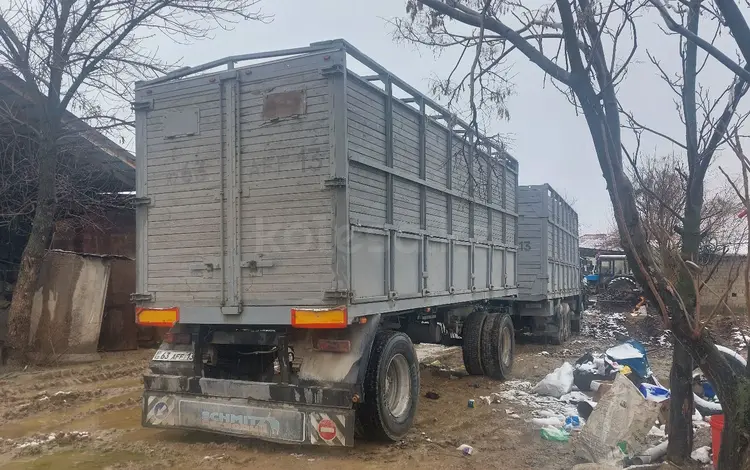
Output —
<point x="296" y="183"/>
<point x="421" y="218"/>
<point x="240" y="213"/>
<point x="549" y="267"/>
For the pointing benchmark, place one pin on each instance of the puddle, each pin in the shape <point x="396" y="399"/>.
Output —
<point x="75" y="459"/>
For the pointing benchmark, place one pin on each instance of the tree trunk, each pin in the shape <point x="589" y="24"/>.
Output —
<point x="735" y="447"/>
<point x="681" y="375"/>
<point x="681" y="406"/>
<point x="19" y="315"/>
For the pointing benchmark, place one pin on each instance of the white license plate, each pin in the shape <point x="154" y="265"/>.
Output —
<point x="173" y="356"/>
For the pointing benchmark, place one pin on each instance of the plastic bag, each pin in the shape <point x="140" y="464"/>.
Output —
<point x="554" y="434"/>
<point x="550" y="422"/>
<point x="466" y="449"/>
<point x="654" y="393"/>
<point x="572" y="423"/>
<point x="557" y="383"/>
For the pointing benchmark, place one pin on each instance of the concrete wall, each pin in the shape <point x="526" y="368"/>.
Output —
<point x="727" y="270"/>
<point x="113" y="234"/>
<point x="67" y="311"/>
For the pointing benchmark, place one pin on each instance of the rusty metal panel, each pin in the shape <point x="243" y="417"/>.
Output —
<point x="114" y="235"/>
<point x="284" y="104"/>
<point x="119" y="331"/>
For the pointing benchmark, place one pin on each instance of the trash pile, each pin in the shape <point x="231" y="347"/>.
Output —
<point x="618" y="296"/>
<point x="609" y="404"/>
<point x="607" y="326"/>
<point x="740" y="338"/>
<point x="521" y="393"/>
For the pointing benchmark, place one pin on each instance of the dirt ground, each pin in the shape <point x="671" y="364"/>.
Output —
<point x="88" y="417"/>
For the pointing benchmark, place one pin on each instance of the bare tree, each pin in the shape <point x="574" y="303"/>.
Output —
<point x="661" y="196"/>
<point x="744" y="196"/>
<point x="82" y="56"/>
<point x="585" y="48"/>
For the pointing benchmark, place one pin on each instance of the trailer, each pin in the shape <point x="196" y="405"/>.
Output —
<point x="299" y="226"/>
<point x="550" y="291"/>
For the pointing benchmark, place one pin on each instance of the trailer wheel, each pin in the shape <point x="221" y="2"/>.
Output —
<point x="575" y="322"/>
<point x="471" y="334"/>
<point x="391" y="388"/>
<point x="563" y="329"/>
<point x="498" y="343"/>
<point x="575" y="325"/>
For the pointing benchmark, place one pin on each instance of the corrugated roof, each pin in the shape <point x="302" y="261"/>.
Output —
<point x="104" y="152"/>
<point x="599" y="241"/>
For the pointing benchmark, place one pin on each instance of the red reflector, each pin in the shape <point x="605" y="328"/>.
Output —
<point x="335" y="345"/>
<point x="177" y="338"/>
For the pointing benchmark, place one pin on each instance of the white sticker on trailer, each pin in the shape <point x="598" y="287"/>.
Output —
<point x="178" y="356"/>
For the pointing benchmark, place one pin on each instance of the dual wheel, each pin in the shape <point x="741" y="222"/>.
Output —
<point x="564" y="328"/>
<point x="391" y="388"/>
<point x="488" y="344"/>
<point x="391" y="385"/>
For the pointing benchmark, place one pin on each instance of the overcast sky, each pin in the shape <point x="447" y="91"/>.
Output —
<point x="550" y="141"/>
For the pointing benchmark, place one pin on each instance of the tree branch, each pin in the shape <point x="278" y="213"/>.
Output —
<point x="702" y="43"/>
<point x="454" y="10"/>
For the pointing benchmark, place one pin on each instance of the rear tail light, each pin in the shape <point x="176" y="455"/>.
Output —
<point x="334" y="345"/>
<point x="165" y="317"/>
<point x="173" y="337"/>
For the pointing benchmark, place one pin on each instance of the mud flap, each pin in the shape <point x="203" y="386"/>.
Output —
<point x="266" y="421"/>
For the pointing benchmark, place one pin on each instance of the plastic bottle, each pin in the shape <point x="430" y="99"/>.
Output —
<point x="572" y="423"/>
<point x="551" y="422"/>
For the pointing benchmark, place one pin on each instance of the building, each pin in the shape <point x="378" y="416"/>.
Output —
<point x="107" y="166"/>
<point x="724" y="276"/>
<point x="593" y="244"/>
<point x="726" y="280"/>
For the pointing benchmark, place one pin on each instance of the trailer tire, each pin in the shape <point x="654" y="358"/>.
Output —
<point x="564" y="325"/>
<point x="575" y="325"/>
<point x="471" y="335"/>
<point x="391" y="388"/>
<point x="498" y="344"/>
<point x="577" y="317"/>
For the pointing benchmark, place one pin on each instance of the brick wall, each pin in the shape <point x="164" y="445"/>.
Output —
<point x="727" y="270"/>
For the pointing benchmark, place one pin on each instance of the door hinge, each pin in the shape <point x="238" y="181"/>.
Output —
<point x="338" y="294"/>
<point x="137" y="297"/>
<point x="255" y="264"/>
<point x="142" y="201"/>
<point x="337" y="182"/>
<point x="206" y="266"/>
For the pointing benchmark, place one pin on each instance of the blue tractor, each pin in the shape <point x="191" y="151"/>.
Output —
<point x="612" y="279"/>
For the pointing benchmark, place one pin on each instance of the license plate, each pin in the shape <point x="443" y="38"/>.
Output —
<point x="178" y="356"/>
